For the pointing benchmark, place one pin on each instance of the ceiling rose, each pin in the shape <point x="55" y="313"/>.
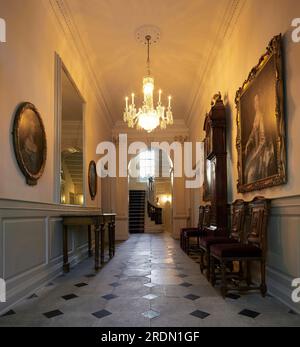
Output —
<point x="148" y="30"/>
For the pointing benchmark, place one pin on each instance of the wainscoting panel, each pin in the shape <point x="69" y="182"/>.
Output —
<point x="56" y="239"/>
<point x="24" y="246"/>
<point x="80" y="237"/>
<point x="31" y="245"/>
<point x="284" y="249"/>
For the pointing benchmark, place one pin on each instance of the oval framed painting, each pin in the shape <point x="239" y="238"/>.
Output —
<point x="30" y="144"/>
<point x="93" y="183"/>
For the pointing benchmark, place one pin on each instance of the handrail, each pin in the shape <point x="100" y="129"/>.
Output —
<point x="154" y="213"/>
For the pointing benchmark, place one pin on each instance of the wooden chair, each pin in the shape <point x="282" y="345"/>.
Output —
<point x="221" y="237"/>
<point x="253" y="249"/>
<point x="195" y="230"/>
<point x="200" y="232"/>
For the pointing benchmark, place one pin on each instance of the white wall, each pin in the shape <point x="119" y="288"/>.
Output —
<point x="252" y="27"/>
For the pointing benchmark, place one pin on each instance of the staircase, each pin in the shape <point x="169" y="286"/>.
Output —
<point x="152" y="228"/>
<point x="137" y="211"/>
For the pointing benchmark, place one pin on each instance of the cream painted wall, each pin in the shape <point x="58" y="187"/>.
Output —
<point x="27" y="73"/>
<point x="258" y="22"/>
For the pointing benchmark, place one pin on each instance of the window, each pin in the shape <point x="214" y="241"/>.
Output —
<point x="147" y="164"/>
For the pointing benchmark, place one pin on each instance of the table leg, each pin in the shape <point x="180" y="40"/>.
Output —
<point x="97" y="247"/>
<point x="66" y="265"/>
<point x="102" y="235"/>
<point x="110" y="240"/>
<point x="90" y="241"/>
<point x="113" y="227"/>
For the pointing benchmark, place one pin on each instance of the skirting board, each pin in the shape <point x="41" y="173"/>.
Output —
<point x="40" y="280"/>
<point x="279" y="286"/>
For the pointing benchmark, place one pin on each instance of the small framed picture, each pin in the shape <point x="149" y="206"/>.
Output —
<point x="30" y="145"/>
<point x="92" y="177"/>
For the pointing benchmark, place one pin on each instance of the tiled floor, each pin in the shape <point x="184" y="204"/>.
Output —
<point x="150" y="282"/>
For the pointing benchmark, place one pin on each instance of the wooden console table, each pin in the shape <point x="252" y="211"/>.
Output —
<point x="99" y="222"/>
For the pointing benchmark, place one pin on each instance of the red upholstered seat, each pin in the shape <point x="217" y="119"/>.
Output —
<point x="235" y="251"/>
<point x="207" y="242"/>
<point x="189" y="230"/>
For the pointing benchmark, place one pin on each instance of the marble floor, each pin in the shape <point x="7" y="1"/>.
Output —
<point x="149" y="283"/>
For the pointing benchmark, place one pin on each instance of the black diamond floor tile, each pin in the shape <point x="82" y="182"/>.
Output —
<point x="115" y="285"/>
<point x="90" y="275"/>
<point x="9" y="313"/>
<point x="200" y="314"/>
<point x="182" y="276"/>
<point x="33" y="296"/>
<point x="185" y="284"/>
<point x="69" y="297"/>
<point x="249" y="313"/>
<point x="52" y="314"/>
<point x="192" y="297"/>
<point x="233" y="296"/>
<point x="109" y="296"/>
<point x="79" y="285"/>
<point x="101" y="314"/>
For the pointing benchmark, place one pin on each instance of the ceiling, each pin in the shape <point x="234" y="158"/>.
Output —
<point x="189" y="30"/>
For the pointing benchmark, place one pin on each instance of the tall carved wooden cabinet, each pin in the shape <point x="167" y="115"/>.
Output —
<point x="215" y="189"/>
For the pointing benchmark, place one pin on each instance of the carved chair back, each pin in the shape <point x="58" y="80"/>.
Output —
<point x="201" y="217"/>
<point x="238" y="219"/>
<point x="206" y="217"/>
<point x="257" y="233"/>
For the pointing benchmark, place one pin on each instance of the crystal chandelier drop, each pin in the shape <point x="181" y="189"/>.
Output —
<point x="148" y="117"/>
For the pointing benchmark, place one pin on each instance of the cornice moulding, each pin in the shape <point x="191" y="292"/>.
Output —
<point x="224" y="33"/>
<point x="65" y="24"/>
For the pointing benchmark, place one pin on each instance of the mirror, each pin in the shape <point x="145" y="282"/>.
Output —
<point x="72" y="161"/>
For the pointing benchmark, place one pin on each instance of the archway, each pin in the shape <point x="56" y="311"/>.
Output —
<point x="150" y="182"/>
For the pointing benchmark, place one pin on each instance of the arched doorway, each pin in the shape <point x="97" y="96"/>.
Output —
<point x="150" y="183"/>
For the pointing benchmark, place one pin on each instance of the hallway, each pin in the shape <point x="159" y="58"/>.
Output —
<point x="149" y="283"/>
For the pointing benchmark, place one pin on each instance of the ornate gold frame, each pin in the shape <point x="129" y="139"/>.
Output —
<point x="93" y="186"/>
<point x="274" y="49"/>
<point x="31" y="178"/>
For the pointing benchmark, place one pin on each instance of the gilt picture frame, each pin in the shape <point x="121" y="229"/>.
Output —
<point x="29" y="141"/>
<point x="261" y="135"/>
<point x="92" y="178"/>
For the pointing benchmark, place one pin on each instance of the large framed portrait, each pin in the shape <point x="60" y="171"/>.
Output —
<point x="92" y="177"/>
<point x="261" y="124"/>
<point x="29" y="140"/>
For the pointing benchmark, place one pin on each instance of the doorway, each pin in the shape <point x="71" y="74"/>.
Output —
<point x="150" y="192"/>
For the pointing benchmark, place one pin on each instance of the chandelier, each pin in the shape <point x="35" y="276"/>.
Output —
<point x="148" y="117"/>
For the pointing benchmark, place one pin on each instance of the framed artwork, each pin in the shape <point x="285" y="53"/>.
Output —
<point x="29" y="140"/>
<point x="261" y="124"/>
<point x="92" y="177"/>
